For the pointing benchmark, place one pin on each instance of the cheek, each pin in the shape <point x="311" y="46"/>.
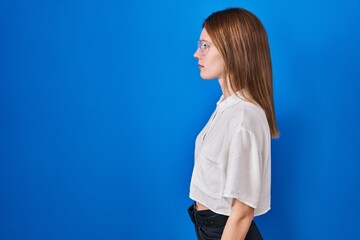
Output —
<point x="219" y="67"/>
<point x="216" y="67"/>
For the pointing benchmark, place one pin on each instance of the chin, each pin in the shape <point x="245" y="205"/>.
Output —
<point x="206" y="77"/>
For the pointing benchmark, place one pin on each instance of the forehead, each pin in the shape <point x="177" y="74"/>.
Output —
<point x="204" y="35"/>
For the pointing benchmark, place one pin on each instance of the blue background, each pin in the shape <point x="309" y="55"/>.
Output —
<point x="101" y="102"/>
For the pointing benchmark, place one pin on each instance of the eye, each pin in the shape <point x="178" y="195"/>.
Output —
<point x="204" y="45"/>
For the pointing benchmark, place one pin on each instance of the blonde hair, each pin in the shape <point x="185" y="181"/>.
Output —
<point x="242" y="41"/>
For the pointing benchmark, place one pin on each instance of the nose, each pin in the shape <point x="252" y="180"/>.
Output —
<point x="197" y="54"/>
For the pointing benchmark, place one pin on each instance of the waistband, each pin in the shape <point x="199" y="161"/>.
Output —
<point x="206" y="217"/>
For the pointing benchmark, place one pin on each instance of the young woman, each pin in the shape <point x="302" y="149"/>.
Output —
<point x="230" y="184"/>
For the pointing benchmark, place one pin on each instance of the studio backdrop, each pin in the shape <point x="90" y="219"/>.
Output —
<point x="101" y="101"/>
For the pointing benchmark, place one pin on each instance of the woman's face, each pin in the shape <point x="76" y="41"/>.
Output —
<point x="211" y="63"/>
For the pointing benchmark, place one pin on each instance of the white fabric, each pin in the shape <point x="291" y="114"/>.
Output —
<point x="232" y="158"/>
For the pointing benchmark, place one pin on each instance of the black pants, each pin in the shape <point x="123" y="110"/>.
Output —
<point x="210" y="225"/>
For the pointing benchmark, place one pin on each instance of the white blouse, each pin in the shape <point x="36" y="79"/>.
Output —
<point x="232" y="158"/>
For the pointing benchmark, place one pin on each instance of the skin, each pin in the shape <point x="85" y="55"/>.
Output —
<point x="211" y="66"/>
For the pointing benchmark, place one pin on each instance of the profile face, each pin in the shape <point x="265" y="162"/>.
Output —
<point x="211" y="63"/>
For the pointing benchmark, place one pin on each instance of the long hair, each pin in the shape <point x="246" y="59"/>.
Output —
<point x="242" y="41"/>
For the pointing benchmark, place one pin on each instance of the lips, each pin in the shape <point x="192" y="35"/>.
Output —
<point x="201" y="66"/>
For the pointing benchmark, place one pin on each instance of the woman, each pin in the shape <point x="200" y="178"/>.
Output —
<point x="230" y="183"/>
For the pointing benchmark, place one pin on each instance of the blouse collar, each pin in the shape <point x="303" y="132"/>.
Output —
<point x="224" y="103"/>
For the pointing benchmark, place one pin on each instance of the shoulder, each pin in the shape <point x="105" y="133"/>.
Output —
<point x="247" y="115"/>
<point x="249" y="118"/>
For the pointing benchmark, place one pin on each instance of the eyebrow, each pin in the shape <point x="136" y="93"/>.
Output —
<point x="205" y="41"/>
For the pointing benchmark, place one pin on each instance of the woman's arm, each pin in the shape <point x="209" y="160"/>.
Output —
<point x="239" y="221"/>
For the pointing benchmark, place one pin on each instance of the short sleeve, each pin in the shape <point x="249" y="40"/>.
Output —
<point x="244" y="169"/>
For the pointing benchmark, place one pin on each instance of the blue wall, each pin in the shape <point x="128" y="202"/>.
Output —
<point x="101" y="102"/>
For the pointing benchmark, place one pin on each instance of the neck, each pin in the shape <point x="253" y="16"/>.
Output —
<point x="227" y="91"/>
<point x="225" y="87"/>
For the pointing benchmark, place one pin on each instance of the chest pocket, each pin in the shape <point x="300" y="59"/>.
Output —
<point x="211" y="161"/>
<point x="210" y="173"/>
